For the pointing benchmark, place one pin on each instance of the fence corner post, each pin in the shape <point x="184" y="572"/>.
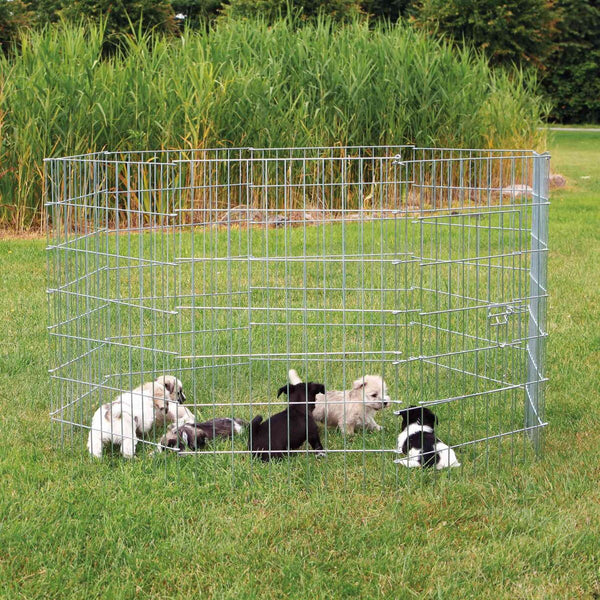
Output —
<point x="534" y="396"/>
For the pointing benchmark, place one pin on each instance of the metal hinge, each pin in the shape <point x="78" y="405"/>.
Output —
<point x="498" y="313"/>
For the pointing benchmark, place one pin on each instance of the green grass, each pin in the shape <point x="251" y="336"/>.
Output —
<point x="73" y="528"/>
<point x="251" y="85"/>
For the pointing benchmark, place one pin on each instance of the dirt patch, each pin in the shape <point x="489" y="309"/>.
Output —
<point x="32" y="234"/>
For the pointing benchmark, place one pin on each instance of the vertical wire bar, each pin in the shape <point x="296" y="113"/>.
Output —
<point x="178" y="227"/>
<point x="499" y="373"/>
<point x="543" y="306"/>
<point x="189" y="169"/>
<point x="515" y="291"/>
<point x="249" y="184"/>
<point x="156" y="196"/>
<point x="478" y="295"/>
<point x="450" y="323"/>
<point x="305" y="304"/>
<point x="490" y="299"/>
<point x="324" y="205"/>
<point x="81" y="345"/>
<point x="142" y="191"/>
<point x="383" y="285"/>
<point x="231" y="319"/>
<point x="89" y="320"/>
<point x="134" y="222"/>
<point x="213" y="282"/>
<point x="71" y="340"/>
<point x="360" y="251"/>
<point x="537" y="289"/>
<point x="47" y="207"/>
<point x="344" y="200"/>
<point x="395" y="172"/>
<point x="410" y="251"/>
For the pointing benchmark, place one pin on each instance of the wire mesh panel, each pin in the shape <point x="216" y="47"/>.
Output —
<point x="227" y="268"/>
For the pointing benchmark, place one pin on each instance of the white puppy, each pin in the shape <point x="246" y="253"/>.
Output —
<point x="352" y="408"/>
<point x="134" y="413"/>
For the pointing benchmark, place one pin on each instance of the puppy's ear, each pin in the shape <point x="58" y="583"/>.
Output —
<point x="185" y="438"/>
<point x="359" y="383"/>
<point x="316" y="388"/>
<point x="283" y="390"/>
<point x="428" y="417"/>
<point x="404" y="419"/>
<point x="169" y="385"/>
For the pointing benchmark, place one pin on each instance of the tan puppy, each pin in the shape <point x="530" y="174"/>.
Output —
<point x="172" y="406"/>
<point x="134" y="413"/>
<point x="352" y="408"/>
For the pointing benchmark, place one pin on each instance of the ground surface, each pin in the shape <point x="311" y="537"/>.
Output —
<point x="73" y="529"/>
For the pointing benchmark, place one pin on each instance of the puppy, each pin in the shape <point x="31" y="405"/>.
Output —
<point x="222" y="427"/>
<point x="134" y="413"/>
<point x="194" y="435"/>
<point x="187" y="436"/>
<point x="290" y="428"/>
<point x="350" y="409"/>
<point x="418" y="441"/>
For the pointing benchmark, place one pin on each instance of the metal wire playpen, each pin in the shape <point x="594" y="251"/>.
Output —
<point x="228" y="267"/>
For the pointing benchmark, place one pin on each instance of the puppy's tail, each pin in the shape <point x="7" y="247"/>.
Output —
<point x="294" y="377"/>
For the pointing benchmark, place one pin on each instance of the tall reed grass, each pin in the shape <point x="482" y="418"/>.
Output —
<point x="246" y="84"/>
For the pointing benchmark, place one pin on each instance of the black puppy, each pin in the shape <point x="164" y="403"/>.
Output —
<point x="270" y="439"/>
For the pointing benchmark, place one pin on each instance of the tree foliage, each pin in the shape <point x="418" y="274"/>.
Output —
<point x="572" y="73"/>
<point x="197" y="12"/>
<point x="13" y="16"/>
<point x="271" y="10"/>
<point x="120" y="16"/>
<point x="508" y="31"/>
<point x="560" y="39"/>
<point x="392" y="10"/>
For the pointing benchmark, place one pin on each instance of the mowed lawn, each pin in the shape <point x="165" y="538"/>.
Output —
<point x="73" y="528"/>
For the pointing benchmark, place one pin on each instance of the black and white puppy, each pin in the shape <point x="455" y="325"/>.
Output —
<point x="418" y="441"/>
<point x="290" y="428"/>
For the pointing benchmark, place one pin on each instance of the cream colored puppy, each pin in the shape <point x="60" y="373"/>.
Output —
<point x="352" y="408"/>
<point x="134" y="413"/>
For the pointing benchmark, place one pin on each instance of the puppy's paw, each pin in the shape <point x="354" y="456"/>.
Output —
<point x="321" y="454"/>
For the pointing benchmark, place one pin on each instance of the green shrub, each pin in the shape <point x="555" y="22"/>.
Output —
<point x="508" y="31"/>
<point x="391" y="10"/>
<point x="13" y="16"/>
<point x="247" y="84"/>
<point x="120" y="17"/>
<point x="572" y="70"/>
<point x="271" y="10"/>
<point x="197" y="12"/>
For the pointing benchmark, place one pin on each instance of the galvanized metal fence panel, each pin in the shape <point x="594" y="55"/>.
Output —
<point x="228" y="267"/>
